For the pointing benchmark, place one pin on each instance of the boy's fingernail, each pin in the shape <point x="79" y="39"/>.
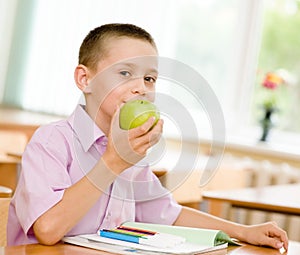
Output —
<point x="279" y="245"/>
<point x="282" y="250"/>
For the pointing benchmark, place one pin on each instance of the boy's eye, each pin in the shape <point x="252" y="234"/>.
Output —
<point x="125" y="73"/>
<point x="150" y="79"/>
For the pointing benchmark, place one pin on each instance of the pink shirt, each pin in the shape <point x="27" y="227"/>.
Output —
<point x="59" y="155"/>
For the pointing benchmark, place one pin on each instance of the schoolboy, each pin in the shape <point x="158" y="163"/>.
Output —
<point x="83" y="173"/>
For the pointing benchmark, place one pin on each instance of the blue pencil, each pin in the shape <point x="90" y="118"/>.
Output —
<point x="157" y="240"/>
<point x="119" y="236"/>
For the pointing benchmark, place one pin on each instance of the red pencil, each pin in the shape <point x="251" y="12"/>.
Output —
<point x="137" y="230"/>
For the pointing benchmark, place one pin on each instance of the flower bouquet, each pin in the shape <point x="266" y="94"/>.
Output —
<point x="271" y="83"/>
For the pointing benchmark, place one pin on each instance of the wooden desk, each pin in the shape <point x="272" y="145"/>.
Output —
<point x="59" y="249"/>
<point x="277" y="198"/>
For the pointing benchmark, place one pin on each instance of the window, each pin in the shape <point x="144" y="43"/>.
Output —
<point x="280" y="53"/>
<point x="211" y="36"/>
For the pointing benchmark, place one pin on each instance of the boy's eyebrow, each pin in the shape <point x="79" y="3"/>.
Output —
<point x="133" y="65"/>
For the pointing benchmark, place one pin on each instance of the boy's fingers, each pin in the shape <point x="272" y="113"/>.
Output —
<point x="273" y="242"/>
<point x="156" y="133"/>
<point x="152" y="136"/>
<point x="121" y="142"/>
<point x="280" y="236"/>
<point x="132" y="145"/>
<point x="144" y="128"/>
<point x="276" y="237"/>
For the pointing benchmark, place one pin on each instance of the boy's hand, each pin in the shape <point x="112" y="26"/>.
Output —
<point x="127" y="147"/>
<point x="268" y="234"/>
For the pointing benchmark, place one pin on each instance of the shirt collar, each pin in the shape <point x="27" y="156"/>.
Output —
<point x="84" y="127"/>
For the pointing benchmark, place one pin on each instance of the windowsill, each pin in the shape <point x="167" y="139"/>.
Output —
<point x="280" y="147"/>
<point x="280" y="144"/>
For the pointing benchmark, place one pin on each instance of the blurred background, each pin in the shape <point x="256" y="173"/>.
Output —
<point x="233" y="44"/>
<point x="248" y="51"/>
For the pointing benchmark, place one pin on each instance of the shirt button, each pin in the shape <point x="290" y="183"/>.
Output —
<point x="104" y="143"/>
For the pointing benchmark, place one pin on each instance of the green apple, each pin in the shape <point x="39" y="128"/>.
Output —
<point x="136" y="112"/>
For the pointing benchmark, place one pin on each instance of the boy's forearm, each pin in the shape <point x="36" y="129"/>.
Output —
<point x="194" y="218"/>
<point x="268" y="234"/>
<point x="52" y="226"/>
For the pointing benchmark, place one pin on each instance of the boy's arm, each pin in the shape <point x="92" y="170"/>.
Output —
<point x="263" y="234"/>
<point x="77" y="200"/>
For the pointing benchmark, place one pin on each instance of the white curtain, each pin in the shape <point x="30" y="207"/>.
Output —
<point x="7" y="15"/>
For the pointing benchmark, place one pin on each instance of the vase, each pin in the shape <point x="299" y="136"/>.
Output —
<point x="266" y="123"/>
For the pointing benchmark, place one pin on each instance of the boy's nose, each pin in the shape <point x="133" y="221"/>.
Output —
<point x="139" y="86"/>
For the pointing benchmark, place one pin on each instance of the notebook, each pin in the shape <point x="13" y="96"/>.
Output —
<point x="166" y="239"/>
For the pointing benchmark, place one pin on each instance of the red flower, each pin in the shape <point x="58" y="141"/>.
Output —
<point x="269" y="84"/>
<point x="272" y="81"/>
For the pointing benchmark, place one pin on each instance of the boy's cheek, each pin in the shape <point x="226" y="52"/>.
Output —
<point x="103" y="91"/>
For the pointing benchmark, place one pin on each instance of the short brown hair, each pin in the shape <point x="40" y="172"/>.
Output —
<point x="92" y="47"/>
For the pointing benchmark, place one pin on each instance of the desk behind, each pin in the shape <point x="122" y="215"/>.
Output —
<point x="275" y="198"/>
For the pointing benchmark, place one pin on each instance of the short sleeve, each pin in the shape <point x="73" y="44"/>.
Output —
<point x="43" y="179"/>
<point x="154" y="203"/>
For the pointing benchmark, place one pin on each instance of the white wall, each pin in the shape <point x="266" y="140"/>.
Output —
<point x="7" y="15"/>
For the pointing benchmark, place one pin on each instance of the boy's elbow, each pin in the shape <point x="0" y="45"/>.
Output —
<point x="46" y="233"/>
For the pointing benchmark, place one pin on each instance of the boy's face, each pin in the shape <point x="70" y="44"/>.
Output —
<point x="127" y="71"/>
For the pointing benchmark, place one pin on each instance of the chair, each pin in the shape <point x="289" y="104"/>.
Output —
<point x="5" y="192"/>
<point x="4" y="204"/>
<point x="10" y="168"/>
<point x="12" y="145"/>
<point x="13" y="142"/>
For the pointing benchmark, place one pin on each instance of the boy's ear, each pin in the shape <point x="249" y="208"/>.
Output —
<point x="81" y="78"/>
